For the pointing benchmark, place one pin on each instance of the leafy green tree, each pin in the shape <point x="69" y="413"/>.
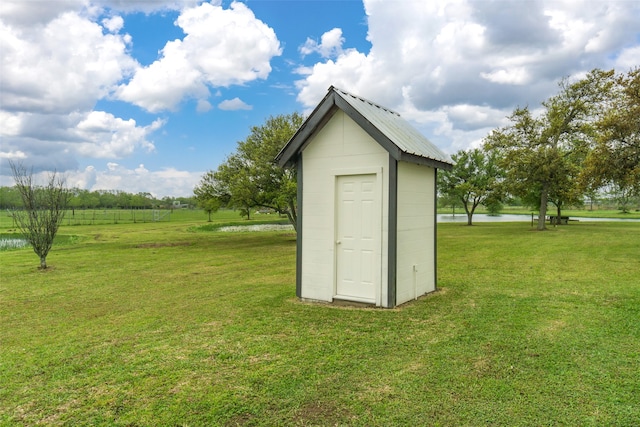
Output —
<point x="209" y="206"/>
<point x="9" y="198"/>
<point x="494" y="203"/>
<point x="234" y="185"/>
<point x="92" y="200"/>
<point x="74" y="198"/>
<point x="108" y="199"/>
<point x="447" y="201"/>
<point x="205" y="195"/>
<point x="249" y="178"/>
<point x="142" y="200"/>
<point x="474" y="179"/>
<point x="123" y="200"/>
<point x="43" y="210"/>
<point x="542" y="156"/>
<point x="615" y="159"/>
<point x="84" y="199"/>
<point x="622" y="195"/>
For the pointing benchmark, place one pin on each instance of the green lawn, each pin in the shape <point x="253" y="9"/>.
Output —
<point x="164" y="324"/>
<point x="92" y="217"/>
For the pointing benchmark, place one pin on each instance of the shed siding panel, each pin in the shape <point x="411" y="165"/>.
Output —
<point x="416" y="232"/>
<point x="341" y="145"/>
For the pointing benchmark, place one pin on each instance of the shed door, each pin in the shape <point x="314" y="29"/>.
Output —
<point x="357" y="238"/>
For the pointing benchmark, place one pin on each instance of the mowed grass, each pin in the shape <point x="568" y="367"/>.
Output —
<point x="159" y="324"/>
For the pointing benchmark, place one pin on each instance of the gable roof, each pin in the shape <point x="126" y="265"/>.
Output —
<point x="392" y="132"/>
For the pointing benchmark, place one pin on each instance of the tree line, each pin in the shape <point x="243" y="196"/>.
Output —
<point x="10" y="199"/>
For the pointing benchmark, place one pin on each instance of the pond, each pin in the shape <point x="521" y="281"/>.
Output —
<point x="256" y="227"/>
<point x="7" y="243"/>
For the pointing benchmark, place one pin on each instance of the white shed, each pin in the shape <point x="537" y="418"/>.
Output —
<point x="366" y="204"/>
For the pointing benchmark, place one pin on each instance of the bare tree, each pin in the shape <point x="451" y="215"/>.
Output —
<point x="43" y="210"/>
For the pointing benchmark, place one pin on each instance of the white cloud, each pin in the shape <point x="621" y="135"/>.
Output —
<point x="13" y="155"/>
<point x="26" y="13"/>
<point x="149" y="6"/>
<point x="50" y="141"/>
<point x="350" y="71"/>
<point x="56" y="63"/>
<point x="84" y="179"/>
<point x="9" y="124"/>
<point x="103" y="135"/>
<point x="60" y="58"/>
<point x="29" y="13"/>
<point x="234" y="104"/>
<point x="203" y="106"/>
<point x="114" y="176"/>
<point x="330" y="44"/>
<point x="471" y="117"/>
<point x="515" y="76"/>
<point x="628" y="59"/>
<point x="63" y="66"/>
<point x="222" y="47"/>
<point x="164" y="83"/>
<point x="113" y="24"/>
<point x="458" y="68"/>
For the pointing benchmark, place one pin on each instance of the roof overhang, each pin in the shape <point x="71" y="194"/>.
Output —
<point x="324" y="111"/>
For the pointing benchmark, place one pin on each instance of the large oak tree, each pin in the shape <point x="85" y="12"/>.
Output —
<point x="615" y="158"/>
<point x="474" y="179"/>
<point x="542" y="154"/>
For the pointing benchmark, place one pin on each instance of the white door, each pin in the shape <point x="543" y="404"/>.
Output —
<point x="357" y="238"/>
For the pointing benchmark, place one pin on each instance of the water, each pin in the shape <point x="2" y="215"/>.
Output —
<point x="256" y="227"/>
<point x="11" y="243"/>
<point x="515" y="218"/>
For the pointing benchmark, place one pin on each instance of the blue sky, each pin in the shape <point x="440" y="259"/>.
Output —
<point x="146" y="96"/>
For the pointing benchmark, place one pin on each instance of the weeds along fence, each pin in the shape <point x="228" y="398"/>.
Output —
<point x="102" y="216"/>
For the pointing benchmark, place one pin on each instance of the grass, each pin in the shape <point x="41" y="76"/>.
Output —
<point x="93" y="217"/>
<point x="156" y="324"/>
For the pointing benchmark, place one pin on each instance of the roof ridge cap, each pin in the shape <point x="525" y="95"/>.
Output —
<point x="344" y="92"/>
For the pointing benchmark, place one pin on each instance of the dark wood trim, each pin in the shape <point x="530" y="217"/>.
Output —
<point x="435" y="228"/>
<point x="299" y="218"/>
<point x="392" y="233"/>
<point x="419" y="160"/>
<point x="318" y="118"/>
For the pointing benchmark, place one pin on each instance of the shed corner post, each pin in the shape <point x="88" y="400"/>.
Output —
<point x="393" y="232"/>
<point x="299" y="216"/>
<point x="435" y="229"/>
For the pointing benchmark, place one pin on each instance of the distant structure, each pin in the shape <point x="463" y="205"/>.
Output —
<point x="366" y="204"/>
<point x="178" y="205"/>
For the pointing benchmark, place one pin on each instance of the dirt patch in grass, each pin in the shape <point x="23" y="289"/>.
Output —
<point x="240" y="420"/>
<point x="162" y="245"/>
<point x="320" y="413"/>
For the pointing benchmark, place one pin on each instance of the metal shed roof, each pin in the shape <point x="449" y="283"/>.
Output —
<point x="388" y="128"/>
